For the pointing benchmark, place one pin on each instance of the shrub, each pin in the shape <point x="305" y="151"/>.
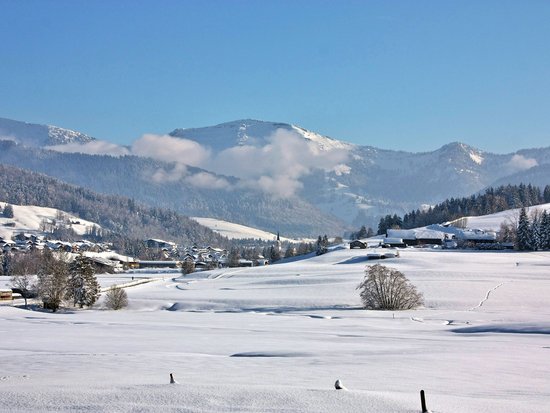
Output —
<point x="385" y="288"/>
<point x="116" y="298"/>
<point x="187" y="267"/>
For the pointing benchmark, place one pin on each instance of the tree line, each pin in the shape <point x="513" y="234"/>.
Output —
<point x="56" y="279"/>
<point x="533" y="233"/>
<point x="125" y="221"/>
<point x="491" y="201"/>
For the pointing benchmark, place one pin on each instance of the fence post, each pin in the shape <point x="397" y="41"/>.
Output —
<point x="423" y="402"/>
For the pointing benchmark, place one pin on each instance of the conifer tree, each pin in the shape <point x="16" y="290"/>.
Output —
<point x="523" y="238"/>
<point x="82" y="287"/>
<point x="8" y="211"/>
<point x="544" y="231"/>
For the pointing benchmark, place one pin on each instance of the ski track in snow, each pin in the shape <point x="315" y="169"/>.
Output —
<point x="486" y="297"/>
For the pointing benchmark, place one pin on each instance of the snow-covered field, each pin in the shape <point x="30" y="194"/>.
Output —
<point x="276" y="338"/>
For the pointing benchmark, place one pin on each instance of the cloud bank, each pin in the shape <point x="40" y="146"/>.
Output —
<point x="275" y="168"/>
<point x="96" y="147"/>
<point x="521" y="163"/>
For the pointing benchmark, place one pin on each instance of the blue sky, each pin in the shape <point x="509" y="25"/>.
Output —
<point x="411" y="75"/>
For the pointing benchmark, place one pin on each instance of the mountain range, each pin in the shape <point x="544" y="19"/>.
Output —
<point x="268" y="175"/>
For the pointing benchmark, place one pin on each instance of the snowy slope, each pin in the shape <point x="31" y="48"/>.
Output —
<point x="27" y="219"/>
<point x="276" y="339"/>
<point x="237" y="231"/>
<point x="492" y="222"/>
<point x="252" y="132"/>
<point x="32" y="134"/>
<point x="373" y="182"/>
<point x="364" y="185"/>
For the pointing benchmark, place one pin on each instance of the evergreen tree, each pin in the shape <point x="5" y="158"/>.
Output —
<point x="233" y="257"/>
<point x="8" y="211"/>
<point x="523" y="237"/>
<point x="290" y="252"/>
<point x="535" y="235"/>
<point x="82" y="287"/>
<point x="304" y="248"/>
<point x="362" y="233"/>
<point x="544" y="231"/>
<point x="274" y="253"/>
<point x="322" y="245"/>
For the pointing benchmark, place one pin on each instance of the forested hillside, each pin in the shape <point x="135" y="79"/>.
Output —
<point x="189" y="191"/>
<point x="123" y="217"/>
<point x="491" y="201"/>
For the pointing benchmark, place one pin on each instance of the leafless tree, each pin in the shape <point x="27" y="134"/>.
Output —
<point x="24" y="284"/>
<point x="52" y="280"/>
<point x="385" y="288"/>
<point x="116" y="298"/>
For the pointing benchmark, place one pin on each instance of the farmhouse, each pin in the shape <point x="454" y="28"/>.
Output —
<point x="477" y="236"/>
<point x="160" y="244"/>
<point x="6" y="295"/>
<point x="421" y="236"/>
<point x="393" y="242"/>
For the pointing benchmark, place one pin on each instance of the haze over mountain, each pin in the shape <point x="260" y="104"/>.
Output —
<point x="273" y="176"/>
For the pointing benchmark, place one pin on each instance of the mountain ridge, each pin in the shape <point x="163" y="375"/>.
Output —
<point x="347" y="183"/>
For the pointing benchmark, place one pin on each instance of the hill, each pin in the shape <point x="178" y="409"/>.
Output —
<point x="31" y="218"/>
<point x="118" y="215"/>
<point x="275" y="176"/>
<point x="188" y="190"/>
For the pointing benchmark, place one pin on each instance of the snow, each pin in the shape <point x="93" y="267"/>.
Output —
<point x="31" y="134"/>
<point x="492" y="222"/>
<point x="27" y="219"/>
<point x="237" y="231"/>
<point x="276" y="338"/>
<point x="476" y="157"/>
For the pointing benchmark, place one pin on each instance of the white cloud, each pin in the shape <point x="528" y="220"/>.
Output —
<point x="95" y="147"/>
<point x="275" y="167"/>
<point x="521" y="163"/>
<point x="208" y="181"/>
<point x="169" y="149"/>
<point x="171" y="175"/>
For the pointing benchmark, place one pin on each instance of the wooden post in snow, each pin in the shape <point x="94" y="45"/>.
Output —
<point x="423" y="402"/>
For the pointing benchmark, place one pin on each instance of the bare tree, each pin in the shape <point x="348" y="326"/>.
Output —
<point x="116" y="298"/>
<point x="52" y="280"/>
<point x="24" y="284"/>
<point x="385" y="288"/>
<point x="24" y="263"/>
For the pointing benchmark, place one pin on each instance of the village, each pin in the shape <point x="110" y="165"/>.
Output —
<point x="169" y="254"/>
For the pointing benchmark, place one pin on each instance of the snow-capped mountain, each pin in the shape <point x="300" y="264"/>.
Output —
<point x="254" y="133"/>
<point x="271" y="175"/>
<point x="374" y="181"/>
<point x="32" y="134"/>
